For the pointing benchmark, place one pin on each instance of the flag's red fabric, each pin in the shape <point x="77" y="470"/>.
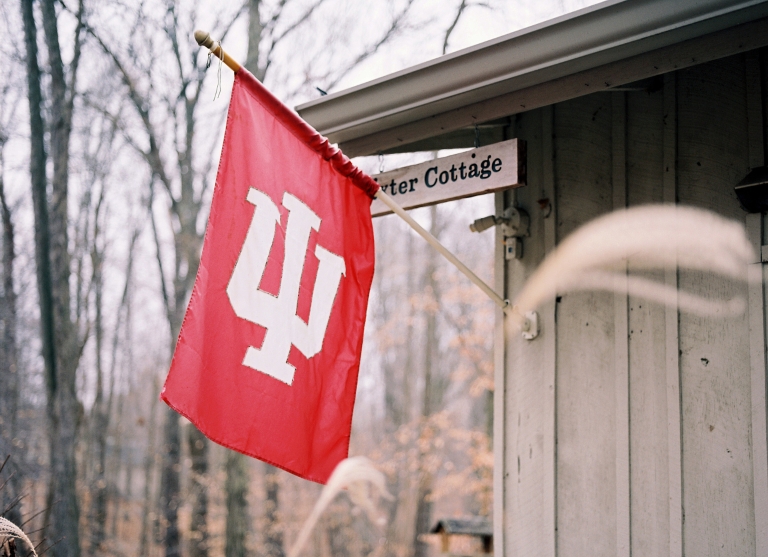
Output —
<point x="268" y="354"/>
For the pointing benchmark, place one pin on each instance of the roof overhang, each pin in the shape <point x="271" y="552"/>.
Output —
<point x="384" y="113"/>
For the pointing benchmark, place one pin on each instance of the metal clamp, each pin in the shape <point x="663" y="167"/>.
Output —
<point x="530" y="327"/>
<point x="515" y="225"/>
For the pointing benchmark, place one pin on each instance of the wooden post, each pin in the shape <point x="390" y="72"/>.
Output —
<point x="672" y="342"/>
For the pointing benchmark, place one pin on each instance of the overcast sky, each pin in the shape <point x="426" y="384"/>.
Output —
<point x="478" y="24"/>
<point x="421" y="41"/>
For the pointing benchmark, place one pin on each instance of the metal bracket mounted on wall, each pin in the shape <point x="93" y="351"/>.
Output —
<point x="530" y="326"/>
<point x="515" y="225"/>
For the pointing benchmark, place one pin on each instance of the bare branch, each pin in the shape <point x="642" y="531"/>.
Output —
<point x="142" y="108"/>
<point x="75" y="61"/>
<point x="292" y="27"/>
<point x="459" y="12"/>
<point x="394" y="28"/>
<point x="156" y="237"/>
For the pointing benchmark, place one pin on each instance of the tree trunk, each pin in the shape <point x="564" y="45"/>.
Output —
<point x="341" y="536"/>
<point x="273" y="532"/>
<point x="236" y="487"/>
<point x="169" y="483"/>
<point x="432" y="396"/>
<point x="198" y="452"/>
<point x="9" y="379"/>
<point x="149" y="460"/>
<point x="63" y="421"/>
<point x="255" y="28"/>
<point x="63" y="517"/>
<point x="98" y="514"/>
<point x="398" y="376"/>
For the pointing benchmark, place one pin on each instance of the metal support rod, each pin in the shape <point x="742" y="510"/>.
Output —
<point x="204" y="39"/>
<point x="435" y="243"/>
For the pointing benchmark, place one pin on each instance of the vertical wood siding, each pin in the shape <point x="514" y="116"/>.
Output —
<point x="529" y="492"/>
<point x="621" y="332"/>
<point x="757" y="80"/>
<point x="649" y="470"/>
<point x="714" y="353"/>
<point x="585" y="341"/>
<point x="672" y="333"/>
<point x="628" y="426"/>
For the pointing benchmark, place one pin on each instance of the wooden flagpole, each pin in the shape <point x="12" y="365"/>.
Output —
<point x="204" y="39"/>
<point x="435" y="243"/>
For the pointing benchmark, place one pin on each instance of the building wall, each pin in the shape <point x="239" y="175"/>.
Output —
<point x="628" y="428"/>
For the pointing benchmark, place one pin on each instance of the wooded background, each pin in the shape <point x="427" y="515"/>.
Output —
<point x="109" y="141"/>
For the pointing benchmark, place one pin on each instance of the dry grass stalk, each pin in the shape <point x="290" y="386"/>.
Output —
<point x="364" y="484"/>
<point x="9" y="530"/>
<point x="652" y="237"/>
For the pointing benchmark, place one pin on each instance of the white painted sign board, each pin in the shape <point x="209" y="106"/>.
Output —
<point x="475" y="172"/>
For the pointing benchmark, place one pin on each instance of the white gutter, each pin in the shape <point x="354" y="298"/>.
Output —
<point x="603" y="33"/>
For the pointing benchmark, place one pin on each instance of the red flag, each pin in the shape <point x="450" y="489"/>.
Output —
<point x="268" y="354"/>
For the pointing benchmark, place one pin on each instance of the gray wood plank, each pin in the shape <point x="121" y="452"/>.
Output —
<point x="755" y="277"/>
<point x="549" y="321"/>
<point x="647" y="341"/>
<point x="756" y="305"/>
<point x="621" y="333"/>
<point x="529" y="498"/>
<point x="499" y="385"/>
<point x="586" y="391"/>
<point x="715" y="374"/>
<point x="672" y="341"/>
<point x="754" y="108"/>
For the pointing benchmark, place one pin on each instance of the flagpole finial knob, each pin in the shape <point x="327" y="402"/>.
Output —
<point x="203" y="38"/>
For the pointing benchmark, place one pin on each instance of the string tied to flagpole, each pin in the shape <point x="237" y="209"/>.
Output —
<point x="217" y="92"/>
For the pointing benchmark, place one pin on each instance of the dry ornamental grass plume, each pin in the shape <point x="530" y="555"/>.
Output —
<point x="596" y="257"/>
<point x="364" y="484"/>
<point x="8" y="530"/>
<point x="649" y="237"/>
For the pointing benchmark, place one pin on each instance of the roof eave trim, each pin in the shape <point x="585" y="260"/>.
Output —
<point x="596" y="35"/>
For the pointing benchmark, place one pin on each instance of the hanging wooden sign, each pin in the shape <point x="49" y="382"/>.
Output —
<point x="482" y="170"/>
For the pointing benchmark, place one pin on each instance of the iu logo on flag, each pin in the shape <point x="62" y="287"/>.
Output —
<point x="269" y="350"/>
<point x="278" y="313"/>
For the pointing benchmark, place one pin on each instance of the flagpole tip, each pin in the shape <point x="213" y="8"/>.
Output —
<point x="203" y="38"/>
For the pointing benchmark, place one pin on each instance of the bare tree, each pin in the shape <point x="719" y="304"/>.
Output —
<point x="149" y="459"/>
<point x="433" y="390"/>
<point x="9" y="379"/>
<point x="169" y="107"/>
<point x="103" y="409"/>
<point x="238" y="520"/>
<point x="151" y="100"/>
<point x="62" y="342"/>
